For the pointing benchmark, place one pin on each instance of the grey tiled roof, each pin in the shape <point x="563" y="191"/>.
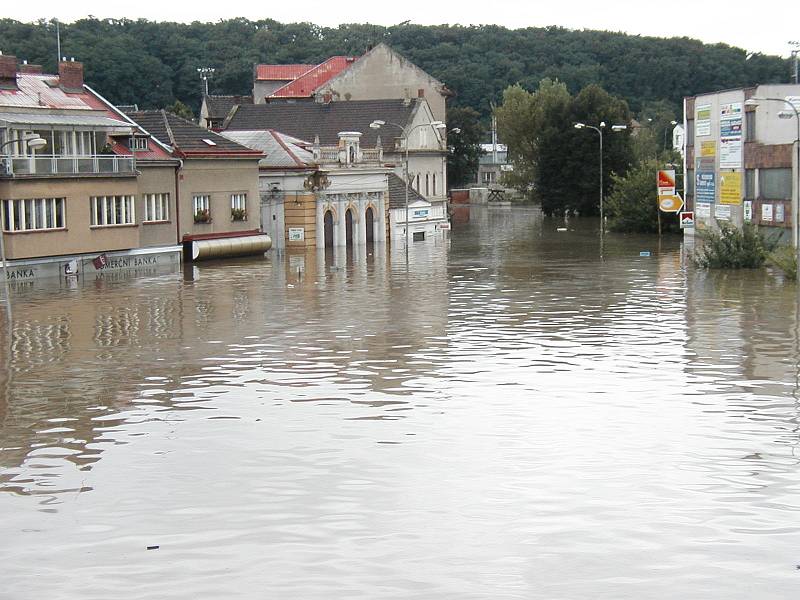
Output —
<point x="306" y="119"/>
<point x="183" y="135"/>
<point x="397" y="194"/>
<point x="280" y="151"/>
<point x="219" y="106"/>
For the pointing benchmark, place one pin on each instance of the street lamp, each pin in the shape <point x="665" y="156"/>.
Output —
<point x="754" y="101"/>
<point x="34" y="143"/>
<point x="673" y="123"/>
<point x="205" y="74"/>
<point x="377" y="124"/>
<point x="599" y="131"/>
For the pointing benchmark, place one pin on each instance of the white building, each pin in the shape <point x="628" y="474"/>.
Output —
<point x="741" y="161"/>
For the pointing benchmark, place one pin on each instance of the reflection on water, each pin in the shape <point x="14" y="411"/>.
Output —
<point x="512" y="415"/>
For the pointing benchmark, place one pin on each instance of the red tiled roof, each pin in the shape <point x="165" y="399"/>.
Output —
<point x="42" y="93"/>
<point x="281" y="72"/>
<point x="304" y="86"/>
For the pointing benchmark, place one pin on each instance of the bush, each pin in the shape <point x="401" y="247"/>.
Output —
<point x="785" y="259"/>
<point x="733" y="248"/>
<point x="632" y="205"/>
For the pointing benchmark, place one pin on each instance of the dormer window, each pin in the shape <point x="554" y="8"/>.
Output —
<point x="138" y="143"/>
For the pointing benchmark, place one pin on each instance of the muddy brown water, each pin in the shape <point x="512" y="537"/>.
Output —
<point x="512" y="415"/>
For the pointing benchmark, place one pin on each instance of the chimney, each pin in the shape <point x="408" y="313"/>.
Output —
<point x="30" y="69"/>
<point x="70" y="75"/>
<point x="8" y="71"/>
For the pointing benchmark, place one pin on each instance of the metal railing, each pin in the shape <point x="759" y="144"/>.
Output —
<point x="58" y="165"/>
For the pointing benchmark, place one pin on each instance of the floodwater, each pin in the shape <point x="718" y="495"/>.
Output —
<point x="512" y="415"/>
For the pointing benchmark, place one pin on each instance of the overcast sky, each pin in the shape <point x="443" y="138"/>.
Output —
<point x="767" y="27"/>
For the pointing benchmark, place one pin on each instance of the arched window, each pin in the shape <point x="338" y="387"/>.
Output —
<point x="427" y="185"/>
<point x="434" y="184"/>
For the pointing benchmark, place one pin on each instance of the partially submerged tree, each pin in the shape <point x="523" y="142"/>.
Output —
<point x="558" y="164"/>
<point x="465" y="146"/>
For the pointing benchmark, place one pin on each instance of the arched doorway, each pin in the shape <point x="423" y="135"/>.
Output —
<point x="348" y="227"/>
<point x="369" y="219"/>
<point x="328" y="227"/>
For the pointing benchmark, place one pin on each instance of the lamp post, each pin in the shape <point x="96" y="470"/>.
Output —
<point x="754" y="101"/>
<point x="205" y="74"/>
<point x="377" y="124"/>
<point x="673" y="123"/>
<point x="33" y="143"/>
<point x="599" y="131"/>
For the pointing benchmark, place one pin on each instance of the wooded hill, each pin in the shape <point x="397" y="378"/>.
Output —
<point x="153" y="64"/>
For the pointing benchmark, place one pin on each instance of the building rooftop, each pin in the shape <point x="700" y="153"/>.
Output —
<point x="188" y="138"/>
<point x="218" y="107"/>
<point x="397" y="193"/>
<point x="307" y="120"/>
<point x="281" y="72"/>
<point x="280" y="150"/>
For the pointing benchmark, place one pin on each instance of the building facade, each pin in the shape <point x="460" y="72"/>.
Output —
<point x="316" y="196"/>
<point x="380" y="74"/>
<point x="740" y="164"/>
<point x="90" y="190"/>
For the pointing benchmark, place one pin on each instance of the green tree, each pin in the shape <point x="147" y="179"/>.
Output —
<point x="180" y="109"/>
<point x="465" y="146"/>
<point x="555" y="163"/>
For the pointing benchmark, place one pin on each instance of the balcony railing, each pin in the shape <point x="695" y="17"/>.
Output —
<point x="334" y="154"/>
<point x="58" y="165"/>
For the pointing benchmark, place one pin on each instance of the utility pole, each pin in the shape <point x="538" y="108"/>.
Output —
<point x="795" y="53"/>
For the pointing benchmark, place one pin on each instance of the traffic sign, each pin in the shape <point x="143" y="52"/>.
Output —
<point x="687" y="219"/>
<point x="671" y="204"/>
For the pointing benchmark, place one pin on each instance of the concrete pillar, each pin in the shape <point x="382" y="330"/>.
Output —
<point x="320" y="218"/>
<point x="362" y="220"/>
<point x="340" y="229"/>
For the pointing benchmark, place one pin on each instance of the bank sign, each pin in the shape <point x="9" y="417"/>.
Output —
<point x="705" y="186"/>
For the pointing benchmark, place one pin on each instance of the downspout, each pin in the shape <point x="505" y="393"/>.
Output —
<point x="178" y="202"/>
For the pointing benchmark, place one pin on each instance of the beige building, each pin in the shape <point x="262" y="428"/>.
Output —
<point x="103" y="193"/>
<point x="93" y="187"/>
<point x="380" y="74"/>
<point x="216" y="185"/>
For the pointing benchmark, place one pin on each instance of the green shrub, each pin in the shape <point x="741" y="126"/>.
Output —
<point x="785" y="259"/>
<point x="632" y="205"/>
<point x="733" y="248"/>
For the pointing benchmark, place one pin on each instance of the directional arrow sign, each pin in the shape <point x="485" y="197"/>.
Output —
<point x="671" y="204"/>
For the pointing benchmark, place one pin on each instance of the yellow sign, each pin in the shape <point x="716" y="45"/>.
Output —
<point x="708" y="148"/>
<point x="670" y="203"/>
<point x="730" y="188"/>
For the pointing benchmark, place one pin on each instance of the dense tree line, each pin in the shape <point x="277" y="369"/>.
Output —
<point x="154" y="64"/>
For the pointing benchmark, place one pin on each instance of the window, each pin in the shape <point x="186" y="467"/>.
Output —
<point x="156" y="207"/>
<point x="34" y="214"/>
<point x="138" y="143"/>
<point x="418" y="236"/>
<point x="749" y="184"/>
<point x="434" y="184"/>
<point x="427" y="185"/>
<point x="775" y="184"/>
<point x="750" y="126"/>
<point x="417" y="183"/>
<point x="239" y="207"/>
<point x="112" y="210"/>
<point x="201" y="208"/>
